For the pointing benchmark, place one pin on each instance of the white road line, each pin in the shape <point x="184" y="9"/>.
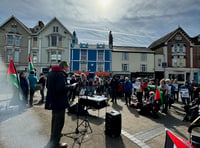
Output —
<point x="134" y="139"/>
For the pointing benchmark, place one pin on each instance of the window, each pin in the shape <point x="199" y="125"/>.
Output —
<point x="143" y="68"/>
<point x="10" y="40"/>
<point x="143" y="57"/>
<point x="182" y="61"/>
<point x="100" y="67"/>
<point x="83" y="54"/>
<point x="175" y="48"/>
<point x="17" y="40"/>
<point x="125" y="56"/>
<point x="83" y="66"/>
<point x="181" y="47"/>
<point x="59" y="56"/>
<point x="60" y="41"/>
<point x="178" y="37"/>
<point x="16" y="56"/>
<point x="53" y="56"/>
<point x="179" y="77"/>
<point x="124" y="67"/>
<point x="100" y="55"/>
<point x="35" y="41"/>
<point x="55" y="29"/>
<point x="9" y="54"/>
<point x="175" y="61"/>
<point x="35" y="57"/>
<point x="159" y="62"/>
<point x="54" y="41"/>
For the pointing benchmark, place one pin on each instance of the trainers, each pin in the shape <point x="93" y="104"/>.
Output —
<point x="63" y="145"/>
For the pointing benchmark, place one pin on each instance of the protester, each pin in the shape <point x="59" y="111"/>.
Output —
<point x="24" y="87"/>
<point x="164" y="92"/>
<point x="32" y="83"/>
<point x="171" y="89"/>
<point x="185" y="92"/>
<point x="176" y="91"/>
<point x="139" y="89"/>
<point x="193" y="86"/>
<point x="127" y="90"/>
<point x="146" y="89"/>
<point x="114" y="89"/>
<point x="57" y="101"/>
<point x="42" y="82"/>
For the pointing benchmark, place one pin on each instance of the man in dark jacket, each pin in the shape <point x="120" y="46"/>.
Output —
<point x="57" y="101"/>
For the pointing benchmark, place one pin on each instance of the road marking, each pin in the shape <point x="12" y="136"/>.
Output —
<point x="141" y="137"/>
<point x="134" y="139"/>
<point x="150" y="133"/>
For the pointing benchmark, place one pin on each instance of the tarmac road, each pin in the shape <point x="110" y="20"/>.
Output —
<point x="31" y="127"/>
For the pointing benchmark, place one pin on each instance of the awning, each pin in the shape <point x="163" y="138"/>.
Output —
<point x="80" y="72"/>
<point x="107" y="74"/>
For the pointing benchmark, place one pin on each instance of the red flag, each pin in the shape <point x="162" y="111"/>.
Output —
<point x="12" y="74"/>
<point x="158" y="96"/>
<point x="173" y="141"/>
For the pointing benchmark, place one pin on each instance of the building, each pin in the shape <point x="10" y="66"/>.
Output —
<point x="132" y="62"/>
<point x="14" y="42"/>
<point x="177" y="55"/>
<point x="47" y="44"/>
<point x="90" y="59"/>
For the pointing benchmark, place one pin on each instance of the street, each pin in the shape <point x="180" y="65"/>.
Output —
<point x="31" y="127"/>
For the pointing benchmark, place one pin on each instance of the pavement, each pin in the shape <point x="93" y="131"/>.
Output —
<point x="30" y="127"/>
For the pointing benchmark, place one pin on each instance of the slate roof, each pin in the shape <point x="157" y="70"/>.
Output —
<point x="160" y="42"/>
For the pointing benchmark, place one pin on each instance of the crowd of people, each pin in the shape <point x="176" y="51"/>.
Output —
<point x="60" y="92"/>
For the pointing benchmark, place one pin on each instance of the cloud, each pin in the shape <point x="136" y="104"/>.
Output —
<point x="132" y="22"/>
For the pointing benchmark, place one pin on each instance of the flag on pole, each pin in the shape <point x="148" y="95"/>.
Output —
<point x="12" y="74"/>
<point x="31" y="68"/>
<point x="159" y="96"/>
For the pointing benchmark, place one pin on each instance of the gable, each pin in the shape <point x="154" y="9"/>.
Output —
<point x="53" y="23"/>
<point x="13" y="25"/>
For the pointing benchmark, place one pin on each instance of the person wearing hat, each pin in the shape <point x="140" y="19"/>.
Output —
<point x="139" y="89"/>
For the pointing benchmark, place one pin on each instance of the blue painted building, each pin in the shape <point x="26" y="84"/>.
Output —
<point x="90" y="58"/>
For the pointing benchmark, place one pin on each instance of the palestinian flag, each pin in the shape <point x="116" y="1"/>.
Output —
<point x="31" y="68"/>
<point x="174" y="141"/>
<point x="12" y="74"/>
<point x="159" y="96"/>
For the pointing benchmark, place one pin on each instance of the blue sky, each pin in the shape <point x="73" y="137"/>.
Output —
<point x="132" y="22"/>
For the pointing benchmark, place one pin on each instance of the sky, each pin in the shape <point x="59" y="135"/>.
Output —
<point x="132" y="22"/>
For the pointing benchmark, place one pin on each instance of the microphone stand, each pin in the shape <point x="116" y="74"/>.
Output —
<point x="78" y="135"/>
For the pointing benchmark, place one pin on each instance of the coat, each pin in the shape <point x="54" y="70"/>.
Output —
<point x="57" y="89"/>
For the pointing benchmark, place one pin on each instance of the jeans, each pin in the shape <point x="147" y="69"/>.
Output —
<point x="32" y="91"/>
<point x="42" y="94"/>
